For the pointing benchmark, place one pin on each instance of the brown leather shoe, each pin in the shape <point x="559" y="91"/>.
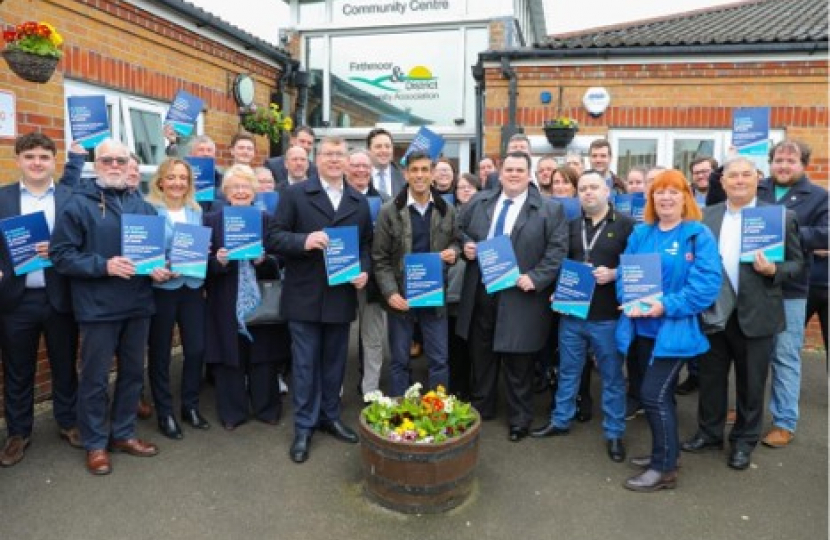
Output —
<point x="14" y="450"/>
<point x="651" y="480"/>
<point x="98" y="462"/>
<point x="145" y="411"/>
<point x="72" y="436"/>
<point x="135" y="447"/>
<point x="778" y="438"/>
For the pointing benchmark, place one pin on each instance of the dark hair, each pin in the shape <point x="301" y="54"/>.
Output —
<point x="570" y="174"/>
<point x="520" y="155"/>
<point x="791" y="145"/>
<point x="302" y="129"/>
<point x="600" y="143"/>
<point x="418" y="155"/>
<point x="697" y="161"/>
<point x="375" y="133"/>
<point x="471" y="179"/>
<point x="243" y="136"/>
<point x="30" y="141"/>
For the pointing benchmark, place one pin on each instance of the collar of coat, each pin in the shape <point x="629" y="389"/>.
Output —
<point x="439" y="201"/>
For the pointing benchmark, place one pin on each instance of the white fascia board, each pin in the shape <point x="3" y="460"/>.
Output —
<point x="649" y="60"/>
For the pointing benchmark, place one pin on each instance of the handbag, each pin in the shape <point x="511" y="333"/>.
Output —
<point x="268" y="310"/>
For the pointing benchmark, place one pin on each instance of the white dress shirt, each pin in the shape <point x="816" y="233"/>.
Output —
<point x="335" y="193"/>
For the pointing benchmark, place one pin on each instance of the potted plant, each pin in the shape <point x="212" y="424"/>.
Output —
<point x="33" y="50"/>
<point x="419" y="451"/>
<point x="269" y="121"/>
<point x="560" y="131"/>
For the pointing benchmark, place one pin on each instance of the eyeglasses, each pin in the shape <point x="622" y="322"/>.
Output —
<point x="333" y="155"/>
<point x="707" y="172"/>
<point x="239" y="187"/>
<point x="109" y="160"/>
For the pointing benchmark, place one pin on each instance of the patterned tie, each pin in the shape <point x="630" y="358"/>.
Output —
<point x="382" y="181"/>
<point x="247" y="296"/>
<point x="499" y="230"/>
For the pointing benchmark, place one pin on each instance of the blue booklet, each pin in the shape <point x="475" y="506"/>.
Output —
<point x="189" y="250"/>
<point x="574" y="289"/>
<point x="633" y="204"/>
<point x="424" y="279"/>
<point x="21" y="234"/>
<point x="374" y="207"/>
<point x="638" y="207"/>
<point x="142" y="241"/>
<point x="183" y="113"/>
<point x="243" y="232"/>
<point x="342" y="254"/>
<point x="450" y="198"/>
<point x="88" y="119"/>
<point x="204" y="177"/>
<point x="570" y="205"/>
<point x="267" y="201"/>
<point x="497" y="261"/>
<point x="642" y="279"/>
<point x="762" y="228"/>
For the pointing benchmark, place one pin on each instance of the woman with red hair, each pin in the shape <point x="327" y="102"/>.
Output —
<point x="667" y="333"/>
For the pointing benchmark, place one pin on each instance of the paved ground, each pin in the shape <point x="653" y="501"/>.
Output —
<point x="242" y="485"/>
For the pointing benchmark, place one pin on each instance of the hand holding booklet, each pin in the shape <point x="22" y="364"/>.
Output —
<point x="424" y="279"/>
<point x="497" y="261"/>
<point x="342" y="255"/>
<point x="574" y="289"/>
<point x="22" y="234"/>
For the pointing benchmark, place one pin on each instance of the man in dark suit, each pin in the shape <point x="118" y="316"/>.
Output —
<point x="754" y="317"/>
<point x="302" y="136"/>
<point x="36" y="304"/>
<point x="319" y="315"/>
<point x="386" y="177"/>
<point x="512" y="325"/>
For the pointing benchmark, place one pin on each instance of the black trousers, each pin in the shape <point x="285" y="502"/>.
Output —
<point x="817" y="304"/>
<point x="486" y="364"/>
<point x="459" y="361"/>
<point x="751" y="358"/>
<point x="20" y="332"/>
<point x="184" y="307"/>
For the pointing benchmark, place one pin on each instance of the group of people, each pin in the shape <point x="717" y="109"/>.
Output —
<point x="93" y="291"/>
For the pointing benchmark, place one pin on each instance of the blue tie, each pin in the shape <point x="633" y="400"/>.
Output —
<point x="499" y="230"/>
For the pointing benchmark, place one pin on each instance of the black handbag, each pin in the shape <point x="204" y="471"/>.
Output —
<point x="715" y="317"/>
<point x="268" y="310"/>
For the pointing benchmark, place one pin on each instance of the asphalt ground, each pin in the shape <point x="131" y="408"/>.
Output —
<point x="242" y="485"/>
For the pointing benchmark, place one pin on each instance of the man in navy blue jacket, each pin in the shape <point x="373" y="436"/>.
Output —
<point x="111" y="303"/>
<point x="790" y="187"/>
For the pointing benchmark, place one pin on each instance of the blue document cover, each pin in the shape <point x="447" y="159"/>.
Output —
<point x="762" y="228"/>
<point x="426" y="141"/>
<point x="450" y="198"/>
<point x="497" y="261"/>
<point x="142" y="241"/>
<point x="342" y="254"/>
<point x="243" y="232"/>
<point x="570" y="205"/>
<point x="183" y="113"/>
<point x="21" y="234"/>
<point x="88" y="119"/>
<point x="204" y="177"/>
<point x="574" y="289"/>
<point x="267" y="201"/>
<point x="750" y="135"/>
<point x="424" y="279"/>
<point x="633" y="204"/>
<point x="622" y="202"/>
<point x="642" y="279"/>
<point x="374" y="207"/>
<point x="189" y="250"/>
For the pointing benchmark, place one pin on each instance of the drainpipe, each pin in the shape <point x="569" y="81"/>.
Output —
<point x="301" y="84"/>
<point x="478" y="76"/>
<point x="511" y="128"/>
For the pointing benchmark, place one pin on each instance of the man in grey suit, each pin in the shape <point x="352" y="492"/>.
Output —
<point x="754" y="317"/>
<point x="512" y="325"/>
<point x="386" y="177"/>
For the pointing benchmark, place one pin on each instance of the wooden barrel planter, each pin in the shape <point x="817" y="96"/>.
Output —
<point x="419" y="478"/>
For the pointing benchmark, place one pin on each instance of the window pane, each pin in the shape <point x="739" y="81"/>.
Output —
<point x="635" y="153"/>
<point x="685" y="151"/>
<point x="147" y="132"/>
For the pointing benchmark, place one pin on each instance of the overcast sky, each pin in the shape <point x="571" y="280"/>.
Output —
<point x="562" y="15"/>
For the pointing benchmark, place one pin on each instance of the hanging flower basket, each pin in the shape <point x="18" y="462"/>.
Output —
<point x="31" y="67"/>
<point x="560" y="131"/>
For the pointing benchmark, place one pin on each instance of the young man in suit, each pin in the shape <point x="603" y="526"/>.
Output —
<point x="36" y="304"/>
<point x="319" y="315"/>
<point x="302" y="136"/>
<point x="386" y="177"/>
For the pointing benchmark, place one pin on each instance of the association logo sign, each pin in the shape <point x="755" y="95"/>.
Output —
<point x="418" y="83"/>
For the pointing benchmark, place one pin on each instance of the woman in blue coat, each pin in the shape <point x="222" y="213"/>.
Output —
<point x="666" y="332"/>
<point x="179" y="301"/>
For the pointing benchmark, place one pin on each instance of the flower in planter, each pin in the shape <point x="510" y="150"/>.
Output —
<point x="563" y="122"/>
<point x="40" y="39"/>
<point x="431" y="418"/>
<point x="270" y="122"/>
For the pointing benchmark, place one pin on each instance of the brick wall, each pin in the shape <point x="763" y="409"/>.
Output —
<point x="116" y="45"/>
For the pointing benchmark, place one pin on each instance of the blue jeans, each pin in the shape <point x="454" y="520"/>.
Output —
<point x="574" y="337"/>
<point x="786" y="366"/>
<point x="434" y="329"/>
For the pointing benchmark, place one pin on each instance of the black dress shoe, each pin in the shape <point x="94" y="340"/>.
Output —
<point x="549" y="431"/>
<point x="690" y="385"/>
<point x="584" y="406"/>
<point x="739" y="459"/>
<point x="616" y="450"/>
<point x="516" y="433"/>
<point x="299" y="448"/>
<point x="699" y="444"/>
<point x="651" y="480"/>
<point x="195" y="419"/>
<point x="170" y="428"/>
<point x="339" y="431"/>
